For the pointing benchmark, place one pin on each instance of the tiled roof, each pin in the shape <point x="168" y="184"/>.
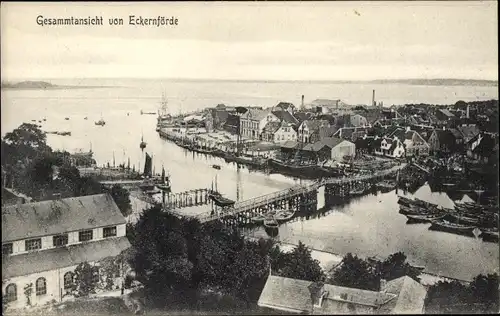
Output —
<point x="314" y="125"/>
<point x="51" y="259"/>
<point x="456" y="133"/>
<point x="59" y="216"/>
<point x="468" y="131"/>
<point x="301" y="116"/>
<point x="286" y="293"/>
<point x="271" y="127"/>
<point x="446" y="112"/>
<point x="411" y="296"/>
<point x="285" y="116"/>
<point x="445" y="137"/>
<point x="256" y="114"/>
<point x="330" y="142"/>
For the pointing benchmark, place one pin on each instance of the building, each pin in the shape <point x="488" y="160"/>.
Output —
<point x="414" y="143"/>
<point x="285" y="106"/>
<point x="43" y="243"/>
<point x="252" y="123"/>
<point x="285" y="132"/>
<point x="445" y="115"/>
<point x="232" y="124"/>
<point x="442" y="141"/>
<point x="358" y="120"/>
<point x="389" y="147"/>
<point x="399" y="296"/>
<point x="308" y="131"/>
<point x="351" y="133"/>
<point x="468" y="132"/>
<point x="481" y="148"/>
<point x="331" y="148"/>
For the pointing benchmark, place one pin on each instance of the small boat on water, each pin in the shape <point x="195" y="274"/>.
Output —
<point x="216" y="167"/>
<point x="284" y="215"/>
<point x="85" y="118"/>
<point x="489" y="234"/>
<point x="64" y="133"/>
<point x="444" y="225"/>
<point x="66" y="118"/>
<point x="258" y="218"/>
<point x="143" y="144"/>
<point x="405" y="201"/>
<point x="423" y="218"/>
<point x="386" y="185"/>
<point x="355" y="192"/>
<point x="271" y="223"/>
<point x="101" y="122"/>
<point x="465" y="220"/>
<point x="44" y="119"/>
<point x="219" y="200"/>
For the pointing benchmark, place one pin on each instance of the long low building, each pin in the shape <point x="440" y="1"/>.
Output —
<point x="43" y="243"/>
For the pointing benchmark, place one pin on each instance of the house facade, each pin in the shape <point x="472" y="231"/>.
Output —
<point x="389" y="147"/>
<point x="343" y="149"/>
<point x="43" y="243"/>
<point x="442" y="141"/>
<point x="414" y="143"/>
<point x="309" y="130"/>
<point x="285" y="132"/>
<point x="252" y="123"/>
<point x="359" y="121"/>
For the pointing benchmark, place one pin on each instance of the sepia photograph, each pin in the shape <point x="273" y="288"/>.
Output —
<point x="249" y="158"/>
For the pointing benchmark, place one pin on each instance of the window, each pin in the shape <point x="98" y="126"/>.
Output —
<point x="85" y="235"/>
<point x="60" y="240"/>
<point x="68" y="280"/>
<point x="11" y="292"/>
<point x="109" y="231"/>
<point x="33" y="244"/>
<point x="41" y="287"/>
<point x="7" y="249"/>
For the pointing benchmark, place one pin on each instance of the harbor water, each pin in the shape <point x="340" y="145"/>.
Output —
<point x="368" y="225"/>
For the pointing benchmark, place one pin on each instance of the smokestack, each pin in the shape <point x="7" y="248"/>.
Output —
<point x="373" y="99"/>
<point x="302" y="103"/>
<point x="468" y="111"/>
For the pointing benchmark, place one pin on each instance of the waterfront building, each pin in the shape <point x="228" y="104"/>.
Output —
<point x="330" y="148"/>
<point x="442" y="141"/>
<point x="351" y="133"/>
<point x="401" y="295"/>
<point x="414" y="143"/>
<point x="481" y="148"/>
<point x="389" y="147"/>
<point x="43" y="243"/>
<point x="285" y="132"/>
<point x="252" y="123"/>
<point x="308" y="131"/>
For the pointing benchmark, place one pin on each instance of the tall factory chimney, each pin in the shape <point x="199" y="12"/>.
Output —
<point x="373" y="99"/>
<point x="468" y="111"/>
<point x="302" y="103"/>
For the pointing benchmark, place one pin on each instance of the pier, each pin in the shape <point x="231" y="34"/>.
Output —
<point x="301" y="198"/>
<point x="177" y="200"/>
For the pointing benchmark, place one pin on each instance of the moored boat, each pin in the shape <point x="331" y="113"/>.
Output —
<point x="258" y="219"/>
<point x="271" y="222"/>
<point x="284" y="215"/>
<point x="489" y="234"/>
<point x="465" y="220"/>
<point x="405" y="201"/>
<point x="354" y="192"/>
<point x="216" y="167"/>
<point x="219" y="200"/>
<point x="423" y="218"/>
<point x="386" y="185"/>
<point x="444" y="225"/>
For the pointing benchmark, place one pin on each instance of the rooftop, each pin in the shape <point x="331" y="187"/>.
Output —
<point x="59" y="216"/>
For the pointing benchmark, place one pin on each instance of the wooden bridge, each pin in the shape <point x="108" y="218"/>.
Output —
<point x="171" y="201"/>
<point x="299" y="198"/>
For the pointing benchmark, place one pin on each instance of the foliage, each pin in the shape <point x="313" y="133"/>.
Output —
<point x="298" y="264"/>
<point x="24" y="143"/>
<point x="121" y="197"/>
<point x="480" y="296"/>
<point x="85" y="279"/>
<point x="28" y="290"/>
<point x="183" y="256"/>
<point x="395" y="266"/>
<point x="357" y="273"/>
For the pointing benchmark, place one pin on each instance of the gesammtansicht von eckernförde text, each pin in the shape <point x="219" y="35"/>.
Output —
<point x="132" y="20"/>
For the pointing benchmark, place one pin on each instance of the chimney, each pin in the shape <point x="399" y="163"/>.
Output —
<point x="373" y="99"/>
<point x="302" y="103"/>
<point x="468" y="111"/>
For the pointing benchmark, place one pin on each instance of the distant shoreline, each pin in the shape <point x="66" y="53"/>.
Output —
<point x="43" y="85"/>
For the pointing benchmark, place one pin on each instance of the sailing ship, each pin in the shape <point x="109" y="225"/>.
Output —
<point x="142" y="145"/>
<point x="164" y="183"/>
<point x="101" y="122"/>
<point x="163" y="116"/>
<point x="218" y="199"/>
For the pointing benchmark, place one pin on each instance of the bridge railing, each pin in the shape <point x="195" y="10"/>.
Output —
<point x="296" y="190"/>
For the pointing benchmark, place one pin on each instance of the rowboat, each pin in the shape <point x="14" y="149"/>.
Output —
<point x="258" y="218"/>
<point x="444" y="225"/>
<point x="386" y="185"/>
<point x="465" y="220"/>
<point x="489" y="234"/>
<point x="282" y="216"/>
<point x="271" y="223"/>
<point x="216" y="167"/>
<point x="423" y="218"/>
<point x="405" y="201"/>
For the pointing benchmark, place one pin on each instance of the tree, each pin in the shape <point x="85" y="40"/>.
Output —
<point x="298" y="264"/>
<point x="121" y="197"/>
<point x="484" y="290"/>
<point x="395" y="266"/>
<point x="357" y="273"/>
<point x="85" y="279"/>
<point x="25" y="143"/>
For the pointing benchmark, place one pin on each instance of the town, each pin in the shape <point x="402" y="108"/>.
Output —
<point x="61" y="205"/>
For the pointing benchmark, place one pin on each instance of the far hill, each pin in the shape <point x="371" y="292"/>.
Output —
<point x="43" y="85"/>
<point x="440" y="82"/>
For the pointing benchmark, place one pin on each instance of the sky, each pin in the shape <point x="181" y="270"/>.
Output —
<point x="255" y="41"/>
